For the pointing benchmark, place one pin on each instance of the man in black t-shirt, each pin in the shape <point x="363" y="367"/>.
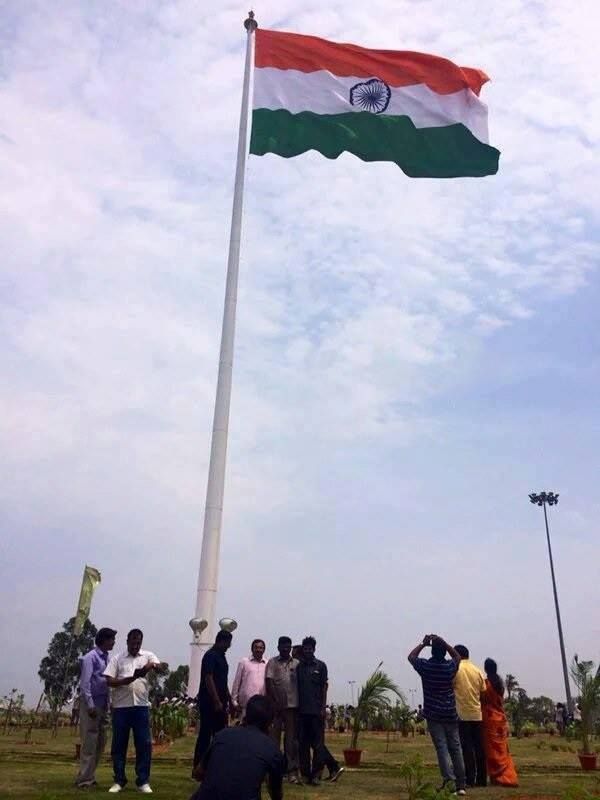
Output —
<point x="312" y="699"/>
<point x="239" y="759"/>
<point x="214" y="699"/>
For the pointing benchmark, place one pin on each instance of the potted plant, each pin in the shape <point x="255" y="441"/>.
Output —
<point x="372" y="699"/>
<point x="404" y="719"/>
<point x="588" y="685"/>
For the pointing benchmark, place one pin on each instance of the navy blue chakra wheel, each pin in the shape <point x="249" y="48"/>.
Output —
<point x="373" y="95"/>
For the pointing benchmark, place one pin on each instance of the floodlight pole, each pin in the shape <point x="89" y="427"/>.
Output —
<point x="552" y="499"/>
<point x="352" y="691"/>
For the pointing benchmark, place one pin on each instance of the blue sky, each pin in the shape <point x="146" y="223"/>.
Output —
<point x="412" y="358"/>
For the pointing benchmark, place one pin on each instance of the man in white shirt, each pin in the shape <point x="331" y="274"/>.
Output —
<point x="126" y="676"/>
<point x="249" y="677"/>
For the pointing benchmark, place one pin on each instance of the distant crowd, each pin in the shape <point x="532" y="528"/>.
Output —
<point x="280" y="713"/>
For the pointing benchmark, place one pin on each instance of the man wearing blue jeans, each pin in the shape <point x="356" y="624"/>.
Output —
<point x="437" y="675"/>
<point x="126" y="676"/>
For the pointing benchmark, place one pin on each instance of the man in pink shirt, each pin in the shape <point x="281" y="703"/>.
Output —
<point x="249" y="677"/>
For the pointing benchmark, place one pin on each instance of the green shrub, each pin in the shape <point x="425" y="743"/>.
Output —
<point x="412" y="774"/>
<point x="571" y="731"/>
<point x="578" y="792"/>
<point x="169" y="720"/>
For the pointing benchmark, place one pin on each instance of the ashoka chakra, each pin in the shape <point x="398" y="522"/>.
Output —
<point x="373" y="95"/>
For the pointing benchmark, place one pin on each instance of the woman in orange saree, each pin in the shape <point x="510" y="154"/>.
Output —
<point x="500" y="765"/>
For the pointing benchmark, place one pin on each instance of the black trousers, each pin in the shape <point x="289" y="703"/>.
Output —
<point x="211" y="722"/>
<point x="471" y="741"/>
<point x="311" y="737"/>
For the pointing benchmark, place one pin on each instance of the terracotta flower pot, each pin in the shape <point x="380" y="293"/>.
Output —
<point x="587" y="760"/>
<point x="352" y="757"/>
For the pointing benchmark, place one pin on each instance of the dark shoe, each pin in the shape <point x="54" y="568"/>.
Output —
<point x="335" y="775"/>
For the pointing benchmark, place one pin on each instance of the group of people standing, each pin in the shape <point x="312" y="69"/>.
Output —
<point x="464" y="710"/>
<point x="281" y="705"/>
<point x="286" y="694"/>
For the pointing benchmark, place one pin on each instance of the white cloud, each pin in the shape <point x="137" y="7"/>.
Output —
<point x="368" y="306"/>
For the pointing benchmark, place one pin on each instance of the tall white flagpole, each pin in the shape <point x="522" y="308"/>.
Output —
<point x="208" y="574"/>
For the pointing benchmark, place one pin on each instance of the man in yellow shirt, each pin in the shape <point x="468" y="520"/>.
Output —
<point x="469" y="685"/>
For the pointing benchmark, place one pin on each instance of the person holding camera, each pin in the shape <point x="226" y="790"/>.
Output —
<point x="126" y="676"/>
<point x="437" y="675"/>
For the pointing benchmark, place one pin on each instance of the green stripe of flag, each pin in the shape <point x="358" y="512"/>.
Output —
<point x="446" y="152"/>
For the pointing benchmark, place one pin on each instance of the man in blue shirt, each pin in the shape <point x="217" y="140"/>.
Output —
<point x="241" y="758"/>
<point x="93" y="706"/>
<point x="437" y="675"/>
<point x="214" y="700"/>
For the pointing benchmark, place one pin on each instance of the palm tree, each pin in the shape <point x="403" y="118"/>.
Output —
<point x="404" y="718"/>
<point x="588" y="686"/>
<point x="511" y="684"/>
<point x="373" y="699"/>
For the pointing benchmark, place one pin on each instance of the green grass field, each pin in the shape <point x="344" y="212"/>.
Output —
<point x="44" y="769"/>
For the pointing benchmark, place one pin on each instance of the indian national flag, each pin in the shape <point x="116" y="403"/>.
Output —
<point x="420" y="111"/>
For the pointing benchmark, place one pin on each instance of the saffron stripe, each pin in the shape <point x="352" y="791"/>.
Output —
<point x="396" y="67"/>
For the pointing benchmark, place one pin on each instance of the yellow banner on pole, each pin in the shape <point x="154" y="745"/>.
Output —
<point x="91" y="579"/>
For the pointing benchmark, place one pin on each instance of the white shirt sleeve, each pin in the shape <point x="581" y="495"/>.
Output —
<point x="152" y="658"/>
<point x="112" y="668"/>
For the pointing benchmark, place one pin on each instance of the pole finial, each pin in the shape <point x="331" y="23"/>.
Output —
<point x="251" y="24"/>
